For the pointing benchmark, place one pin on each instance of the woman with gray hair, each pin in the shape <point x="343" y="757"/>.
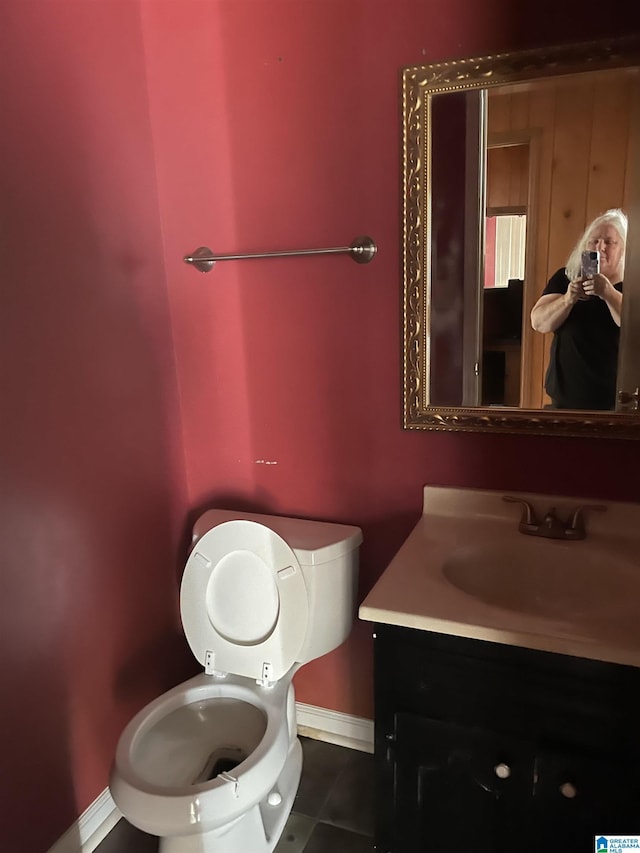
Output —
<point x="583" y="311"/>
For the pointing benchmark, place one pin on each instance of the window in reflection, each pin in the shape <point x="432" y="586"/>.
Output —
<point x="505" y="241"/>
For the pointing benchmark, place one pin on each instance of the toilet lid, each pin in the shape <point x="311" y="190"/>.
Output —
<point x="243" y="601"/>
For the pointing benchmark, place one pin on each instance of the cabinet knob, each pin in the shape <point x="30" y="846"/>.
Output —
<point x="568" y="790"/>
<point x="502" y="771"/>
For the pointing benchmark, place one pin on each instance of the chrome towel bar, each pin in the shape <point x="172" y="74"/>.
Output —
<point x="362" y="250"/>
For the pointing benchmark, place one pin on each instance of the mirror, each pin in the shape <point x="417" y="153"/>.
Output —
<point x="506" y="161"/>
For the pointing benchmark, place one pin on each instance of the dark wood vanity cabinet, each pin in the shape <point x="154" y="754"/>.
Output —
<point x="486" y="748"/>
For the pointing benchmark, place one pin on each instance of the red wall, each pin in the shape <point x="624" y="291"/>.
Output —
<point x="92" y="492"/>
<point x="133" y="132"/>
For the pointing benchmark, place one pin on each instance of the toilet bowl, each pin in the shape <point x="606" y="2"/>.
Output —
<point x="213" y="765"/>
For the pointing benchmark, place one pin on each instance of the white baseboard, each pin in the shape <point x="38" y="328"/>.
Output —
<point x="335" y="727"/>
<point x="317" y="723"/>
<point x="91" y="827"/>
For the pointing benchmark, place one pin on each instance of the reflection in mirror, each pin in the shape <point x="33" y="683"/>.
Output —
<point x="506" y="161"/>
<point x="581" y="306"/>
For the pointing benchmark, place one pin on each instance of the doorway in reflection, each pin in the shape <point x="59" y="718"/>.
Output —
<point x="502" y="301"/>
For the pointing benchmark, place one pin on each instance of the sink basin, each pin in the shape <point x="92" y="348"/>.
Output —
<point x="466" y="570"/>
<point x="543" y="577"/>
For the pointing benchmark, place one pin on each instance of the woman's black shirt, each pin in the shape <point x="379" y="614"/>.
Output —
<point x="584" y="353"/>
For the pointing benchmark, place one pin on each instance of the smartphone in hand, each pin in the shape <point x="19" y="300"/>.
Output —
<point x="590" y="264"/>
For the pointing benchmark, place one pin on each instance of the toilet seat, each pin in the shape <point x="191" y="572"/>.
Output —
<point x="243" y="602"/>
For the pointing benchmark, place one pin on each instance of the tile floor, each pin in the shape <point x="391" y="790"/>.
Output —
<point x="332" y="812"/>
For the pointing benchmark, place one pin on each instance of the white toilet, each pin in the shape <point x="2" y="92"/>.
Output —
<point x="213" y="765"/>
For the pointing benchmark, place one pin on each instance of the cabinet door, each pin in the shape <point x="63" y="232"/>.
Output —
<point x="457" y="789"/>
<point x="577" y="797"/>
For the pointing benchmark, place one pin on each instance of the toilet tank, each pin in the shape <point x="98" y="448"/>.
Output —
<point x="328" y="554"/>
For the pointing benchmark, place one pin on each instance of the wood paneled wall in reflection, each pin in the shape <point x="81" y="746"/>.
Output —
<point x="508" y="176"/>
<point x="576" y="135"/>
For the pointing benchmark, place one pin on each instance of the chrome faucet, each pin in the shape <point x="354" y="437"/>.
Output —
<point x="551" y="526"/>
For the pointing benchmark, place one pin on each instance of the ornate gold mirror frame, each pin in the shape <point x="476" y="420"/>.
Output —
<point x="419" y="84"/>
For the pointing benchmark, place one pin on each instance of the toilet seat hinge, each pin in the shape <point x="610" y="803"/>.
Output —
<point x="209" y="660"/>
<point x="267" y="675"/>
<point x="209" y="665"/>
<point x="229" y="778"/>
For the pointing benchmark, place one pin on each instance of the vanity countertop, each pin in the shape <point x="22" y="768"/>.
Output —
<point x="413" y="591"/>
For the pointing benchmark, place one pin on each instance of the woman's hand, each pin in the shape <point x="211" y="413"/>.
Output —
<point x="576" y="291"/>
<point x="599" y="285"/>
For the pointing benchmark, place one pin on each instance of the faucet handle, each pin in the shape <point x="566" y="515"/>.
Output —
<point x="529" y="516"/>
<point x="577" y="517"/>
